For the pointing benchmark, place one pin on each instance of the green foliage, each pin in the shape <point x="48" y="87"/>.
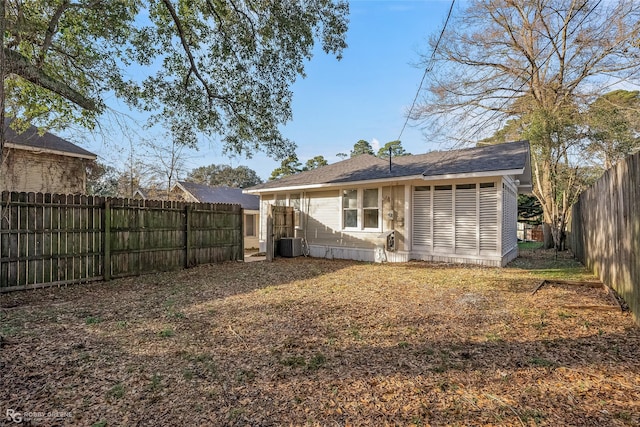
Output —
<point x="166" y="333"/>
<point x="361" y="147"/>
<point x="315" y="163"/>
<point x="529" y="209"/>
<point x="221" y="67"/>
<point x="102" y="180"/>
<point x="116" y="392"/>
<point x="396" y="150"/>
<point x="61" y="55"/>
<point x="613" y="126"/>
<point x="289" y="166"/>
<point x="225" y="175"/>
<point x="92" y="320"/>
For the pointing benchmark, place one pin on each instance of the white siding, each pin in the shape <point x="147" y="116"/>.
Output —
<point x="265" y="201"/>
<point x="509" y="218"/>
<point x="449" y="222"/>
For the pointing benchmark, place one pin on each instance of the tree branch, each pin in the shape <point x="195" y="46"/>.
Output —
<point x="19" y="65"/>
<point x="187" y="50"/>
<point x="51" y="29"/>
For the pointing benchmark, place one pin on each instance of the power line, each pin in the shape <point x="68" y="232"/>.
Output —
<point x="428" y="68"/>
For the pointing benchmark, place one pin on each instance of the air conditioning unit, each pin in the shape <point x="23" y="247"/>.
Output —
<point x="290" y="246"/>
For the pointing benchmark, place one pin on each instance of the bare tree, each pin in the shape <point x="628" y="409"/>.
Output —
<point x="165" y="162"/>
<point x="538" y="63"/>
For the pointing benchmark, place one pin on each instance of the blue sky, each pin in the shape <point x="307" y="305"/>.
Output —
<point x="363" y="96"/>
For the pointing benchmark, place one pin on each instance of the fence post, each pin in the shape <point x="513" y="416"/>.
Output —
<point x="106" y="267"/>
<point x="270" y="240"/>
<point x="187" y="237"/>
<point x="241" y="256"/>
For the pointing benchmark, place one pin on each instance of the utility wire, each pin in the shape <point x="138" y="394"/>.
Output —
<point x="428" y="68"/>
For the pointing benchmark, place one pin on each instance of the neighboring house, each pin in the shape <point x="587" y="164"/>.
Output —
<point x="150" y="194"/>
<point x="455" y="206"/>
<point x="192" y="192"/>
<point x="42" y="163"/>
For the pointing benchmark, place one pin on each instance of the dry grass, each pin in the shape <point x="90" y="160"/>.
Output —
<point x="318" y="342"/>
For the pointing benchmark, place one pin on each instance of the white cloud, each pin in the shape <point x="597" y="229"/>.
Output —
<point x="375" y="144"/>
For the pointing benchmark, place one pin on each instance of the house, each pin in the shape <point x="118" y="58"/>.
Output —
<point x="42" y="163"/>
<point x="452" y="206"/>
<point x="192" y="192"/>
<point x="150" y="193"/>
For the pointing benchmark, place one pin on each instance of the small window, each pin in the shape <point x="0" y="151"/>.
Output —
<point x="249" y="225"/>
<point x="487" y="184"/>
<point x="370" y="208"/>
<point x="442" y="187"/>
<point x="350" y="208"/>
<point x="294" y="200"/>
<point x="465" y="187"/>
<point x="361" y="209"/>
<point x="423" y="188"/>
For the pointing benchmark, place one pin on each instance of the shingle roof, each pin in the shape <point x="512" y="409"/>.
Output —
<point x="31" y="139"/>
<point x="207" y="194"/>
<point x="492" y="158"/>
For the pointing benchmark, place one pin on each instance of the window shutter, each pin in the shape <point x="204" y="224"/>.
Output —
<point x="443" y="217"/>
<point x="466" y="218"/>
<point x="422" y="216"/>
<point x="488" y="217"/>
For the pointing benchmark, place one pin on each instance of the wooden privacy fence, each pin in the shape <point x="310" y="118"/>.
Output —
<point x="280" y="223"/>
<point x="604" y="232"/>
<point x="52" y="239"/>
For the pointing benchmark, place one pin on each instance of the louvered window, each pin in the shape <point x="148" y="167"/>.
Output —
<point x="488" y="216"/>
<point x="509" y="218"/>
<point x="443" y="217"/>
<point x="466" y="218"/>
<point x="422" y="216"/>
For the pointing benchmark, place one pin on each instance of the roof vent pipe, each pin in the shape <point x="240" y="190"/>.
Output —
<point x="389" y="159"/>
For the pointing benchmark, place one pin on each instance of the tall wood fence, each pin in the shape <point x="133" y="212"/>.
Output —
<point x="604" y="233"/>
<point x="280" y="223"/>
<point x="51" y="239"/>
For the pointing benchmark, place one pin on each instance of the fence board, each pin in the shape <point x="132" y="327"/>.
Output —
<point x="51" y="239"/>
<point x="605" y="230"/>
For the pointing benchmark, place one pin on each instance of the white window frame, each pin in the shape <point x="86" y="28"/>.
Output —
<point x="360" y="209"/>
<point x="253" y="221"/>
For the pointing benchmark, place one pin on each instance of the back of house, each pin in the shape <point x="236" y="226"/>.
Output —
<point x="452" y="206"/>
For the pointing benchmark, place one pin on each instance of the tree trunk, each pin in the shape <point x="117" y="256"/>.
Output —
<point x="547" y="236"/>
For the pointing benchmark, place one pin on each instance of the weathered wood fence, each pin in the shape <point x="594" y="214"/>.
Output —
<point x="604" y="233"/>
<point x="280" y="223"/>
<point x="51" y="239"/>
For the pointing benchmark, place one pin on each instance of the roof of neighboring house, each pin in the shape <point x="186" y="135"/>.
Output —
<point x="512" y="158"/>
<point x="206" y="194"/>
<point x="31" y="140"/>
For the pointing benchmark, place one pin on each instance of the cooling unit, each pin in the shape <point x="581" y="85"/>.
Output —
<point x="291" y="246"/>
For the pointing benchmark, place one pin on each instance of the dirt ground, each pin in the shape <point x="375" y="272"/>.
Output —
<point x="323" y="342"/>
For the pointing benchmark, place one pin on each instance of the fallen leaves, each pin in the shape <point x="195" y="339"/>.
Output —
<point x="318" y="342"/>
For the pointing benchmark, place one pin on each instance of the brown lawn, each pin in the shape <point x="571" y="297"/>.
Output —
<point x="319" y="342"/>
